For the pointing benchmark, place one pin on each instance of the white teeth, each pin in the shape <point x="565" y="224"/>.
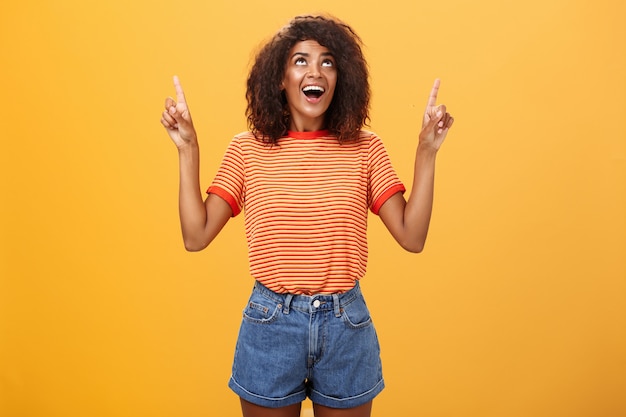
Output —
<point x="313" y="88"/>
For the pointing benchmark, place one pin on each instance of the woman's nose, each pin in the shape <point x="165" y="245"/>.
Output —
<point x="314" y="72"/>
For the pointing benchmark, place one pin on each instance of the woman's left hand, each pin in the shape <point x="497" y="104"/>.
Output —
<point x="437" y="121"/>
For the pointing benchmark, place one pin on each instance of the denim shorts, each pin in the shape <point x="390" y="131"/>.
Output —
<point x="295" y="346"/>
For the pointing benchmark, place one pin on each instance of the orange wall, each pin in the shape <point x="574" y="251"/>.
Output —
<point x="516" y="308"/>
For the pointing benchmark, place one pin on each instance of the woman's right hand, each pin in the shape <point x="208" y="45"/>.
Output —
<point x="177" y="119"/>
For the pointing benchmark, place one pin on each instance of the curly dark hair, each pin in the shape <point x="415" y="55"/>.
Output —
<point x="268" y="112"/>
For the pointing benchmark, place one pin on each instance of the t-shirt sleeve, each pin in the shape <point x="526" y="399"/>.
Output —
<point x="229" y="182"/>
<point x="383" y="180"/>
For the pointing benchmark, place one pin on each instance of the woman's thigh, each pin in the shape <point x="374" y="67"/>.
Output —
<point x="252" y="410"/>
<point x="364" y="410"/>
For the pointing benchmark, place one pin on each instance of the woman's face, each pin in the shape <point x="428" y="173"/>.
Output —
<point x="309" y="85"/>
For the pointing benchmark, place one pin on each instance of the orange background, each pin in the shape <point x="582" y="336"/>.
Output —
<point x="517" y="307"/>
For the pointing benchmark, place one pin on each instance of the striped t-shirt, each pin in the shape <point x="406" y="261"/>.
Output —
<point x="306" y="201"/>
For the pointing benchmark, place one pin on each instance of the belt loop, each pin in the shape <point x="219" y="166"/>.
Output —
<point x="288" y="299"/>
<point x="336" y="305"/>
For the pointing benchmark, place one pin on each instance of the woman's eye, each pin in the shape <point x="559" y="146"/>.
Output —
<point x="300" y="61"/>
<point x="328" y="63"/>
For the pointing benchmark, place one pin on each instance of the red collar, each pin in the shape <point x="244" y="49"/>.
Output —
<point x="307" y="135"/>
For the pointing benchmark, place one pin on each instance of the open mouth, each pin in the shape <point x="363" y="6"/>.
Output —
<point x="313" y="91"/>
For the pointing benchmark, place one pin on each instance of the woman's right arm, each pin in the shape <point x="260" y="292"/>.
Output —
<point x="200" y="221"/>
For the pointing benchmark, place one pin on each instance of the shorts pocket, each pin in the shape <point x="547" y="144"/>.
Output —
<point x="261" y="310"/>
<point x="356" y="314"/>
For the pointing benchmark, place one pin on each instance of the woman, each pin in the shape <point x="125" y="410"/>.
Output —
<point x="306" y="175"/>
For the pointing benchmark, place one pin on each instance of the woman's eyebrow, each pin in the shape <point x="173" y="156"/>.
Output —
<point x="306" y="54"/>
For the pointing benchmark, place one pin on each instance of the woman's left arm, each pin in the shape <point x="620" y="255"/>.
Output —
<point x="408" y="221"/>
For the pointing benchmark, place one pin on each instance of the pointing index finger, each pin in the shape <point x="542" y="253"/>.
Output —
<point x="432" y="99"/>
<point x="180" y="95"/>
